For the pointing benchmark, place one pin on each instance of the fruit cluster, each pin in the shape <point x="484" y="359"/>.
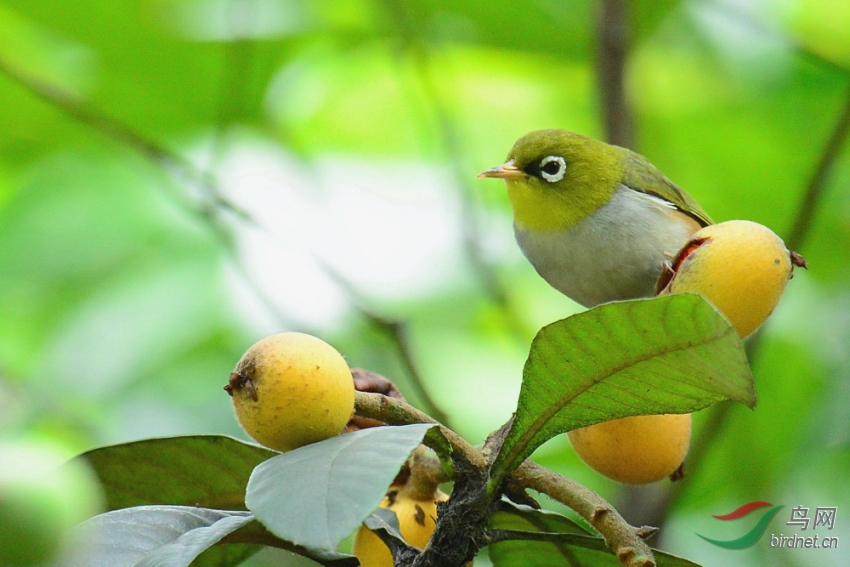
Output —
<point x="742" y="268"/>
<point x="293" y="389"/>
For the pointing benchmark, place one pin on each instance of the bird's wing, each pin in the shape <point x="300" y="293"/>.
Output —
<point x="644" y="177"/>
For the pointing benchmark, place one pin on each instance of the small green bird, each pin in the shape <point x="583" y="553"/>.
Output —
<point x="598" y="222"/>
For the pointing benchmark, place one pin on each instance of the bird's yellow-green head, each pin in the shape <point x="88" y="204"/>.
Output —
<point x="557" y="178"/>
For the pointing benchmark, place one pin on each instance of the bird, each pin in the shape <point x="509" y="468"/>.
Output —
<point x="598" y="222"/>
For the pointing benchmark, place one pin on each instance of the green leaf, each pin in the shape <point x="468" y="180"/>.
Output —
<point x="383" y="519"/>
<point x="438" y="442"/>
<point x="175" y="536"/>
<point x="199" y="470"/>
<point x="153" y="536"/>
<point x="385" y="523"/>
<point x="511" y="516"/>
<point x="671" y="354"/>
<point x="317" y="495"/>
<point x="570" y="544"/>
<point x="256" y="533"/>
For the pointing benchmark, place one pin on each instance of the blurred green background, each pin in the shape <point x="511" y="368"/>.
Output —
<point x="179" y="178"/>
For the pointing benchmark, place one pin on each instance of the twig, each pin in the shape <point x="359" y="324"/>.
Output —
<point x="614" y="40"/>
<point x="397" y="412"/>
<point x="797" y="236"/>
<point x="205" y="181"/>
<point x="625" y="540"/>
<point x="656" y="512"/>
<point x="85" y="113"/>
<point x="814" y="190"/>
<point x="397" y="332"/>
<point x="160" y="156"/>
<point x="256" y="534"/>
<point x="453" y="151"/>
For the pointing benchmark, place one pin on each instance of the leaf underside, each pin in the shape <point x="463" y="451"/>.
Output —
<point x="155" y="536"/>
<point x="317" y="495"/>
<point x="177" y="536"/>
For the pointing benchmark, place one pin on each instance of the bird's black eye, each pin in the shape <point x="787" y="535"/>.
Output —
<point x="552" y="168"/>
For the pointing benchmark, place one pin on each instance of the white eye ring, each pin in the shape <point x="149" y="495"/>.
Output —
<point x="559" y="174"/>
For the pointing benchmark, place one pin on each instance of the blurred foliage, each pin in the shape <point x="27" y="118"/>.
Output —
<point x="350" y="132"/>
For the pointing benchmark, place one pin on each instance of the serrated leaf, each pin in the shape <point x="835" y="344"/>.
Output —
<point x="152" y="536"/>
<point x="317" y="495"/>
<point x="671" y="354"/>
<point x="204" y="470"/>
<point x="571" y="546"/>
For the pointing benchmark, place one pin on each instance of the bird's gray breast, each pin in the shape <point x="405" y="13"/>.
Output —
<point x="615" y="254"/>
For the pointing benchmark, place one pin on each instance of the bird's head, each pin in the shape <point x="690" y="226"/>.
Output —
<point x="557" y="178"/>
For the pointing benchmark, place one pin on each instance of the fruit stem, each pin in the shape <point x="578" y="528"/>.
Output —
<point x="422" y="483"/>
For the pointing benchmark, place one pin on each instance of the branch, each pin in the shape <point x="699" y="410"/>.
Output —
<point x="655" y="511"/>
<point x="624" y="540"/>
<point x="614" y="38"/>
<point x="450" y="140"/>
<point x="397" y="412"/>
<point x="396" y="331"/>
<point x="796" y="239"/>
<point x="172" y="162"/>
<point x="112" y="128"/>
<point x="402" y="552"/>
<point x="815" y="188"/>
<point x="160" y="156"/>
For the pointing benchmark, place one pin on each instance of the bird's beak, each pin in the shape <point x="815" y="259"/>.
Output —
<point x="507" y="171"/>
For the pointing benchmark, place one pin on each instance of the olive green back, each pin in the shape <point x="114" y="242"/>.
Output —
<point x="642" y="176"/>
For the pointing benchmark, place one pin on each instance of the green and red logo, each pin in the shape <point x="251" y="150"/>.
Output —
<point x="755" y="532"/>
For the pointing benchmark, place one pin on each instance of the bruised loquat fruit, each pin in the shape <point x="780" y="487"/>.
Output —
<point x="740" y="266"/>
<point x="635" y="450"/>
<point x="292" y="389"/>
<point x="417" y="519"/>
